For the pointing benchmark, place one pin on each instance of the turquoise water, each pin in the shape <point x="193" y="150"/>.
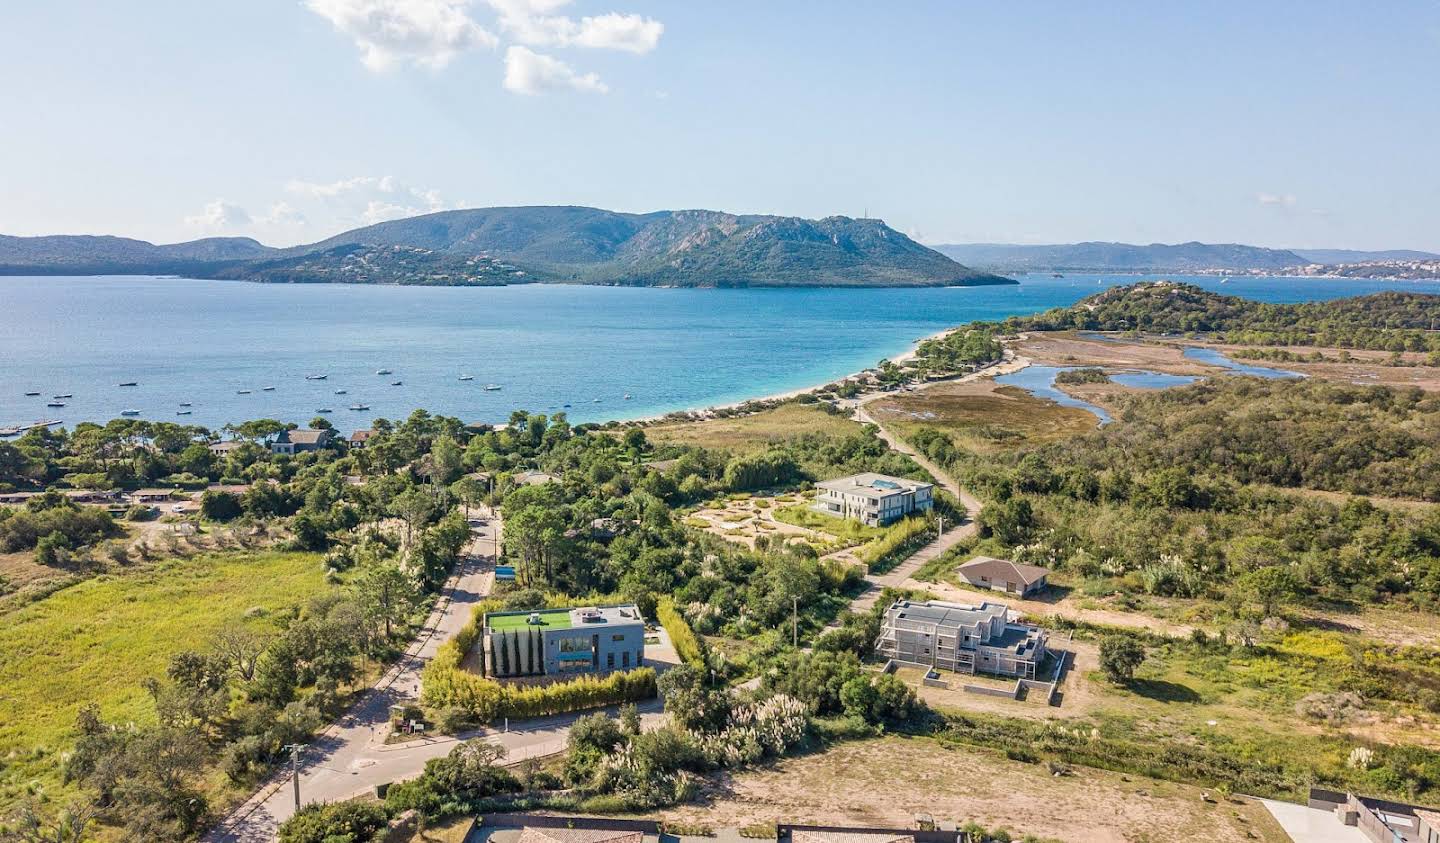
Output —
<point x="1215" y="358"/>
<point x="1143" y="379"/>
<point x="1040" y="382"/>
<point x="203" y="342"/>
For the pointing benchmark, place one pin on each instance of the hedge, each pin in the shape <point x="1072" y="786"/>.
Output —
<point x="900" y="540"/>
<point x="688" y="647"/>
<point x="446" y="683"/>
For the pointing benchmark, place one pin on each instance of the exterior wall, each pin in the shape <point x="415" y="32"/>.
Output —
<point x="585" y="648"/>
<point x="609" y="646"/>
<point x="1005" y="586"/>
<point x="876" y="511"/>
<point x="960" y="649"/>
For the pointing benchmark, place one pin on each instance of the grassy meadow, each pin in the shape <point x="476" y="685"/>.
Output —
<point x="95" y="641"/>
<point x="746" y="434"/>
<point x="983" y="417"/>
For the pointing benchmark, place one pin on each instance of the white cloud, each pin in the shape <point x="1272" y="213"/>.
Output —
<point x="530" y="22"/>
<point x="369" y="199"/>
<point x="220" y="215"/>
<point x="388" y="32"/>
<point x="615" y="31"/>
<point x="283" y="214"/>
<point x="380" y="211"/>
<point x="1276" y="200"/>
<point x="529" y="72"/>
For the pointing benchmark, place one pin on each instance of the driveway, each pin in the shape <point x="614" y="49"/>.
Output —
<point x="351" y="757"/>
<point x="897" y="576"/>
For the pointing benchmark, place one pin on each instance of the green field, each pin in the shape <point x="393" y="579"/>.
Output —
<point x="747" y="434"/>
<point x="847" y="530"/>
<point x="96" y="641"/>
<point x="549" y="619"/>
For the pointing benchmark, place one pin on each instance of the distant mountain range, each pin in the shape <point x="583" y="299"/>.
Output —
<point x="535" y="244"/>
<point x="1355" y="256"/>
<point x="1122" y="257"/>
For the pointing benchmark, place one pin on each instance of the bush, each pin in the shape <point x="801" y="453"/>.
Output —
<point x="1119" y="656"/>
<point x="899" y="541"/>
<point x="334" y="822"/>
<point x="688" y="647"/>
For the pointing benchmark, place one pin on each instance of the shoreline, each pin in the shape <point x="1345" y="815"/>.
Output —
<point x="899" y="359"/>
<point x="1009" y="363"/>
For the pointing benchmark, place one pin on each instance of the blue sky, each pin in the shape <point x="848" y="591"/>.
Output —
<point x="1305" y="124"/>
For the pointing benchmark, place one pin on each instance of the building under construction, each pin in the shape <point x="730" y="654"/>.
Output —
<point x="961" y="638"/>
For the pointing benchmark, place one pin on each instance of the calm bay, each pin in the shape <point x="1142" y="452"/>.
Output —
<point x="218" y="345"/>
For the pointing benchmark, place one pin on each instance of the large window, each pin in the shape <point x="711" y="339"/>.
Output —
<point x="575" y="654"/>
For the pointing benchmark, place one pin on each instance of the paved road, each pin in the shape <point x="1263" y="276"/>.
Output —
<point x="351" y="757"/>
<point x="902" y="572"/>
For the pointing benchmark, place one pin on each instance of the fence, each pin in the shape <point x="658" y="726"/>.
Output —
<point x="784" y="833"/>
<point x="547" y="821"/>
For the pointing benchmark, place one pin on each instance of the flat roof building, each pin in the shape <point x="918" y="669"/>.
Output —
<point x="872" y="498"/>
<point x="961" y="638"/>
<point x="549" y="642"/>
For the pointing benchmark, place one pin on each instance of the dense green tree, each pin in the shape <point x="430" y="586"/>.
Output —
<point x="1120" y="655"/>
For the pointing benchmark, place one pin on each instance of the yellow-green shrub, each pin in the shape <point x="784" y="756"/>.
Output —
<point x="688" y="646"/>
<point x="446" y="683"/>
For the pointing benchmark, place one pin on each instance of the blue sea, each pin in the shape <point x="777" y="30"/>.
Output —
<point x="203" y="342"/>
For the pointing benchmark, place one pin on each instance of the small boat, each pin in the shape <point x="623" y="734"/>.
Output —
<point x="627" y="396"/>
<point x="242" y="392"/>
<point x="182" y="412"/>
<point x="129" y="412"/>
<point x="382" y="371"/>
<point x="359" y="406"/>
<point x="594" y="400"/>
<point x="397" y="383"/>
<point x="567" y="406"/>
<point x="32" y="394"/>
<point x="186" y="404"/>
<point x="467" y="377"/>
<point x="58" y="397"/>
<point x="56" y="404"/>
<point x="316" y="377"/>
<point x="128" y="383"/>
<point x="339" y="392"/>
<point x="491" y="387"/>
<point x="325" y="410"/>
<point x="267" y="389"/>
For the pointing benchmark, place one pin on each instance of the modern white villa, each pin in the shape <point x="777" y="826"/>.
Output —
<point x="874" y="499"/>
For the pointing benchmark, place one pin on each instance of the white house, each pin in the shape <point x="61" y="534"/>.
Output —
<point x="874" y="499"/>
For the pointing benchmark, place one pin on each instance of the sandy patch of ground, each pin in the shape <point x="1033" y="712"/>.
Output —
<point x="981" y="414"/>
<point x="887" y="781"/>
<point x="1067" y="607"/>
<point x="1068" y="348"/>
<point x="741" y="521"/>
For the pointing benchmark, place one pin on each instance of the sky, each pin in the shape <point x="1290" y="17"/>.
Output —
<point x="1290" y="124"/>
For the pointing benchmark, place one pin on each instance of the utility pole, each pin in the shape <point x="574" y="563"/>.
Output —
<point x="940" y="528"/>
<point x="295" y="770"/>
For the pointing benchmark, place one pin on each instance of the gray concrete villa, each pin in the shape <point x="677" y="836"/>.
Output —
<point x="552" y="642"/>
<point x="961" y="638"/>
<point x="874" y="499"/>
